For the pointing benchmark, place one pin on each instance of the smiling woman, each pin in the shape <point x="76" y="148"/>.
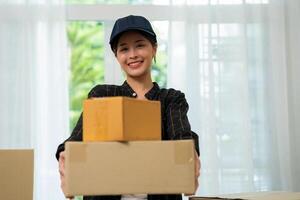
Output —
<point x="87" y="64"/>
<point x="134" y="43"/>
<point x="135" y="53"/>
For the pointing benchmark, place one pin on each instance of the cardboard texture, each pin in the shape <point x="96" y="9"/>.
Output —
<point x="121" y="119"/>
<point x="16" y="172"/>
<point x="275" y="195"/>
<point x="139" y="167"/>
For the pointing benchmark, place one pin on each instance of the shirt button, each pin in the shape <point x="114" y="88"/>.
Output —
<point x="134" y="94"/>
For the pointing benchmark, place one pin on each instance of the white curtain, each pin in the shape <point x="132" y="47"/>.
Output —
<point x="238" y="63"/>
<point x="236" y="60"/>
<point x="34" y="85"/>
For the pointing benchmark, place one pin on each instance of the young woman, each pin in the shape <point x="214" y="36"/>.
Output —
<point x="134" y="44"/>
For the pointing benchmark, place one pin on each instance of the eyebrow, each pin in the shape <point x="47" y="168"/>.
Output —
<point x="140" y="40"/>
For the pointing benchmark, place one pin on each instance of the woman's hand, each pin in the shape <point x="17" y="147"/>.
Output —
<point x="61" y="167"/>
<point x="197" y="168"/>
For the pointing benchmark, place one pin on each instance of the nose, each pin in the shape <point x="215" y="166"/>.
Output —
<point x="132" y="53"/>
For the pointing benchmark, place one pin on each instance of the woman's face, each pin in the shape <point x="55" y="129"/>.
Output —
<point x="135" y="54"/>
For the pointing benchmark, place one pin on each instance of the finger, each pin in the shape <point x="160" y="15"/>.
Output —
<point x="61" y="174"/>
<point x="197" y="173"/>
<point x="61" y="164"/>
<point x="61" y="160"/>
<point x="196" y="187"/>
<point x="61" y="171"/>
<point x="196" y="184"/>
<point x="198" y="167"/>
<point x="62" y="185"/>
<point x="62" y="154"/>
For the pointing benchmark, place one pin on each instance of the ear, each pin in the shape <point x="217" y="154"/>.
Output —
<point x="154" y="50"/>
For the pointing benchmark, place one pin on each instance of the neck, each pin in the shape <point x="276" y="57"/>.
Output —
<point x="140" y="85"/>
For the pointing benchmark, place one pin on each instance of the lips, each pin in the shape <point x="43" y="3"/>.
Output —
<point x="135" y="64"/>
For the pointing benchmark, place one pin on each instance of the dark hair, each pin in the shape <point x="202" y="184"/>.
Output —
<point x="114" y="44"/>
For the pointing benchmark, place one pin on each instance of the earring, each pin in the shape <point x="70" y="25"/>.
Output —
<point x="154" y="58"/>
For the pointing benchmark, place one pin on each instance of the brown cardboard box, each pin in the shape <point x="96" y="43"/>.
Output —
<point x="16" y="172"/>
<point x="139" y="167"/>
<point x="121" y="119"/>
<point x="274" y="195"/>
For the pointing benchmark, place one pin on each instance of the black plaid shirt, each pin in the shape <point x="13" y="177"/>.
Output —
<point x="175" y="123"/>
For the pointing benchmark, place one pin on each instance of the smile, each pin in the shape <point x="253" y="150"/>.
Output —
<point x="135" y="64"/>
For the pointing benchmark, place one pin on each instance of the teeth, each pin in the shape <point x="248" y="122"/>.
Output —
<point x="134" y="63"/>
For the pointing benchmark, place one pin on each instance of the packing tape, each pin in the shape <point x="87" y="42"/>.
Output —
<point x="79" y="152"/>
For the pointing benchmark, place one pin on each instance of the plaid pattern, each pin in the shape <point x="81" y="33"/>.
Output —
<point x="175" y="123"/>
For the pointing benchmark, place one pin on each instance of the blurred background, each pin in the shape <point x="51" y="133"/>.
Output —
<point x="237" y="61"/>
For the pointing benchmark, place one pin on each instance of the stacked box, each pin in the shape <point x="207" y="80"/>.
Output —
<point x="121" y="119"/>
<point x="122" y="152"/>
<point x="138" y="167"/>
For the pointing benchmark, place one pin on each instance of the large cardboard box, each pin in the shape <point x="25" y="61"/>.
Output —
<point x="121" y="119"/>
<point x="274" y="195"/>
<point x="139" y="167"/>
<point x="16" y="174"/>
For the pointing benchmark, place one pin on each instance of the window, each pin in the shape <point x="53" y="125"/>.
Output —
<point x="212" y="43"/>
<point x="86" y="64"/>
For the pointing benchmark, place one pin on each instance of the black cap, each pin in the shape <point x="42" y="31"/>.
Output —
<point x="128" y="23"/>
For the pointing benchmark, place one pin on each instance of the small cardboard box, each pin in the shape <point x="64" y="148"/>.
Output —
<point x="139" y="167"/>
<point x="273" y="195"/>
<point x="16" y="172"/>
<point x="121" y="119"/>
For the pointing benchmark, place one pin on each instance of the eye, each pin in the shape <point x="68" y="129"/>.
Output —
<point x="140" y="45"/>
<point x="123" y="49"/>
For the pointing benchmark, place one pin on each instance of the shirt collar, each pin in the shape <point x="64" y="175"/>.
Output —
<point x="149" y="95"/>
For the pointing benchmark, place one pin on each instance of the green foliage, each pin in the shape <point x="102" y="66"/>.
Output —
<point x="159" y="69"/>
<point x="87" y="70"/>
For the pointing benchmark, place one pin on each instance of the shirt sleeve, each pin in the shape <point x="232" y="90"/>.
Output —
<point x="178" y="126"/>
